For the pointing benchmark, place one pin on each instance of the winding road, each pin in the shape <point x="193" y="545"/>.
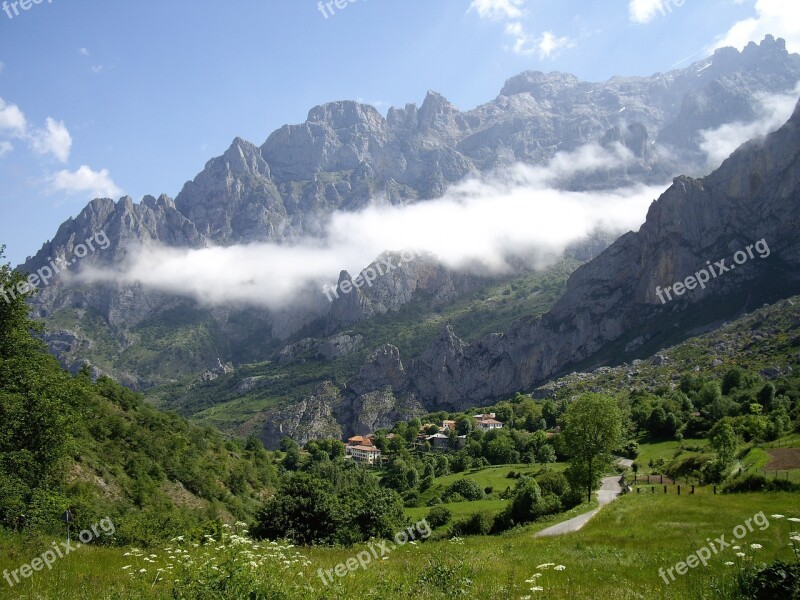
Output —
<point x="607" y="493"/>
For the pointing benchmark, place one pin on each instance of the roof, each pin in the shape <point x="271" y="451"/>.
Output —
<point x="439" y="435"/>
<point x="360" y="439"/>
<point x="365" y="448"/>
<point x="489" y="422"/>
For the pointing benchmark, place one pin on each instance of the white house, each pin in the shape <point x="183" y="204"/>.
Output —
<point x="368" y="455"/>
<point x="487" y="423"/>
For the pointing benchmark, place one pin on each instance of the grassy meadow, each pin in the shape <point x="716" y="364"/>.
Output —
<point x="616" y="556"/>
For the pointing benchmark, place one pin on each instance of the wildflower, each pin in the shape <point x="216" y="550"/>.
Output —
<point x="795" y="538"/>
<point x="741" y="554"/>
<point x="546" y="566"/>
<point x="126" y="567"/>
<point x="142" y="570"/>
<point x="533" y="578"/>
<point x="793" y="519"/>
<point x="756" y="546"/>
<point x="737" y="548"/>
<point x="729" y="564"/>
<point x="537" y="588"/>
<point x="559" y="568"/>
<point x="776" y="516"/>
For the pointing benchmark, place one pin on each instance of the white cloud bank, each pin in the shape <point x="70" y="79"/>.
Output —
<point x="478" y="223"/>
<point x="780" y="18"/>
<point x="774" y="110"/>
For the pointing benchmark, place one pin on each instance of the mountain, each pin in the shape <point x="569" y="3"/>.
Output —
<point x="344" y="157"/>
<point x="612" y="311"/>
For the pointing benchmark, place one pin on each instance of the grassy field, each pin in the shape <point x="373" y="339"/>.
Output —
<point x="616" y="556"/>
<point x="494" y="477"/>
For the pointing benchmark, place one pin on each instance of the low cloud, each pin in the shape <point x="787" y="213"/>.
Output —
<point x="780" y="18"/>
<point x="480" y="223"/>
<point x="774" y="110"/>
<point x="85" y="181"/>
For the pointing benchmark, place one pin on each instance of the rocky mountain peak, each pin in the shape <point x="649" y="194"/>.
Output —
<point x="542" y="86"/>
<point x="346" y="114"/>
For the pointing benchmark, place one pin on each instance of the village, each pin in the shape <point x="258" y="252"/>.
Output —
<point x="362" y="449"/>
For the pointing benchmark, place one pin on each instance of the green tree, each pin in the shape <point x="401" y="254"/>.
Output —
<point x="722" y="438"/>
<point x="592" y="430"/>
<point x="526" y="501"/>
<point x="305" y="510"/>
<point x="732" y="379"/>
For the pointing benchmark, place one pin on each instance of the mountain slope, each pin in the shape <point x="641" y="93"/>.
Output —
<point x="613" y="299"/>
<point x="347" y="155"/>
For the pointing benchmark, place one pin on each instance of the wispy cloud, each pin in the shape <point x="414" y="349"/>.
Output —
<point x="780" y="18"/>
<point x="497" y="9"/>
<point x="85" y="181"/>
<point x="523" y="42"/>
<point x="644" y="11"/>
<point x="5" y="148"/>
<point x="83" y="51"/>
<point x="480" y="223"/>
<point x="12" y="120"/>
<point x="54" y="139"/>
<point x="774" y="110"/>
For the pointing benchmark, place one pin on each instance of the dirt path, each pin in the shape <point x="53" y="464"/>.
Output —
<point x="607" y="493"/>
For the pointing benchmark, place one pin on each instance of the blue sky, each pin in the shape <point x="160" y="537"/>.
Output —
<point x="121" y="97"/>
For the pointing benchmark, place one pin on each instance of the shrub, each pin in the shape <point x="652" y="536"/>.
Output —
<point x="631" y="449"/>
<point x="759" y="483"/>
<point x="554" y="483"/>
<point x="479" y="523"/>
<point x="776" y="580"/>
<point x="525" y="501"/>
<point x="466" y="488"/>
<point x="438" y="516"/>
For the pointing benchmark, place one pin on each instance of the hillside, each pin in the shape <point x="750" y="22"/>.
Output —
<point x="101" y="450"/>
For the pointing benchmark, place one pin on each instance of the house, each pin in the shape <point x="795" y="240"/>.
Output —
<point x="451" y="425"/>
<point x="439" y="441"/>
<point x="368" y="455"/>
<point x="487" y="423"/>
<point x="485" y="416"/>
